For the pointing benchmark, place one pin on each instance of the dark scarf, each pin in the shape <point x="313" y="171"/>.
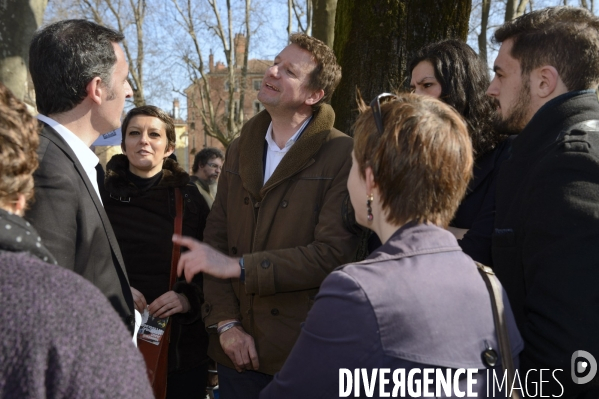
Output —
<point x="118" y="178"/>
<point x="143" y="183"/>
<point x="17" y="235"/>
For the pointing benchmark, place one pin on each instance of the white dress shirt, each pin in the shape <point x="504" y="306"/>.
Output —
<point x="86" y="157"/>
<point x="274" y="154"/>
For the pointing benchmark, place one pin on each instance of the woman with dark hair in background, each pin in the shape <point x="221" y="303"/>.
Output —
<point x="452" y="72"/>
<point x="139" y="198"/>
<point x="59" y="335"/>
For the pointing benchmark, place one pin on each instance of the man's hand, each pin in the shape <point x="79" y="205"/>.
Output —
<point x="240" y="348"/>
<point x="138" y="300"/>
<point x="168" y="304"/>
<point x="202" y="258"/>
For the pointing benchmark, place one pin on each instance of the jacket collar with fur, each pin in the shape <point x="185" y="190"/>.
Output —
<point x="117" y="184"/>
<point x="251" y="150"/>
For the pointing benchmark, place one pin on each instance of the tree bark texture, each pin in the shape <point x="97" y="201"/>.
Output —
<point x="19" y="19"/>
<point x="375" y="40"/>
<point x="323" y="20"/>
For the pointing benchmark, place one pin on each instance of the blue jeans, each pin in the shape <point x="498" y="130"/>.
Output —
<point x="246" y="385"/>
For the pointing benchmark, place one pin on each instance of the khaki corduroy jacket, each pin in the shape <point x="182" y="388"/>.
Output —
<point x="289" y="231"/>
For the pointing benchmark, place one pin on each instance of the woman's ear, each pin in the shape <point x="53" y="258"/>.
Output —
<point x="369" y="179"/>
<point x="169" y="151"/>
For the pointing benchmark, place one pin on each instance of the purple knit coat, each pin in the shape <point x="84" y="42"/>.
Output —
<point x="59" y="336"/>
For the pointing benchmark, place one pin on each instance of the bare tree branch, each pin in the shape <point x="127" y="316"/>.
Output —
<point x="510" y="10"/>
<point x="204" y="104"/>
<point x="137" y="8"/>
<point x="482" y="37"/>
<point x="289" y="16"/>
<point x="521" y="8"/>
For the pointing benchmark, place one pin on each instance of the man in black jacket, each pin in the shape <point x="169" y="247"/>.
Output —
<point x="80" y="74"/>
<point x="546" y="241"/>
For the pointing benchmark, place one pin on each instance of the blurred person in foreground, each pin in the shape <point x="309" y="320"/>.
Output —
<point x="79" y="72"/>
<point x="452" y="72"/>
<point x="418" y="301"/>
<point x="207" y="165"/>
<point x="545" y="248"/>
<point x="139" y="196"/>
<point x="71" y="345"/>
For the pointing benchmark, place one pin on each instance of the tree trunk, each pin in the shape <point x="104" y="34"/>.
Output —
<point x="510" y="10"/>
<point x="323" y="20"/>
<point x="375" y="40"/>
<point x="19" y="19"/>
<point x="484" y="23"/>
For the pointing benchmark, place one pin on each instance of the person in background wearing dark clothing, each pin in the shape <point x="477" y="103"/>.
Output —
<point x="207" y="165"/>
<point x="51" y="346"/>
<point x="79" y="72"/>
<point x="545" y="244"/>
<point x="139" y="197"/>
<point x="452" y="72"/>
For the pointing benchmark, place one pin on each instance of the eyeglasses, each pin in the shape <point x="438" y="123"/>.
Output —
<point x="376" y="108"/>
<point x="214" y="166"/>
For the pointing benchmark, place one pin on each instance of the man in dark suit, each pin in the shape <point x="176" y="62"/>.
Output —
<point x="80" y="76"/>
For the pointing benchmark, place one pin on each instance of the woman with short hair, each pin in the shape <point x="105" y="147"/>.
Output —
<point x="139" y="198"/>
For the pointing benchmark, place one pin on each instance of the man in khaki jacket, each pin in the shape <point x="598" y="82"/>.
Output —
<point x="278" y="215"/>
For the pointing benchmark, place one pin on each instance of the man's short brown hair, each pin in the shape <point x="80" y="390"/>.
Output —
<point x="327" y="74"/>
<point x="566" y="38"/>
<point x="422" y="162"/>
<point x="18" y="144"/>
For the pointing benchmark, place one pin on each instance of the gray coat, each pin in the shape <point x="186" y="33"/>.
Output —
<point x="59" y="336"/>
<point x="417" y="302"/>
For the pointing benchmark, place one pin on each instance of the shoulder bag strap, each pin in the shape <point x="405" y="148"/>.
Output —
<point x="178" y="231"/>
<point x="503" y="337"/>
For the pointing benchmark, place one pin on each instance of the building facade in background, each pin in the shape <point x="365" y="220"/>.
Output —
<point x="219" y="94"/>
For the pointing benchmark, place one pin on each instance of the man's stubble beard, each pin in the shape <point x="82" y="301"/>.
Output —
<point x="518" y="115"/>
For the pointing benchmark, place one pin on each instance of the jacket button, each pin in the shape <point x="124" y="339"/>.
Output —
<point x="284" y="204"/>
<point x="257" y="205"/>
<point x="265" y="264"/>
<point x="490" y="357"/>
<point x="246" y="200"/>
<point x="274" y="312"/>
<point x="234" y="251"/>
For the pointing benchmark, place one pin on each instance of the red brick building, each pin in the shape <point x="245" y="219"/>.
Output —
<point x="218" y="77"/>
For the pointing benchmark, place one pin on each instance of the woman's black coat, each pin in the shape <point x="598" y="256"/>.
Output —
<point x="143" y="222"/>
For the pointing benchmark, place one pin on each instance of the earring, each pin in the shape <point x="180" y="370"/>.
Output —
<point x="369" y="200"/>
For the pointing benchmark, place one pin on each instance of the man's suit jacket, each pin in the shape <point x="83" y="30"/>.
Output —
<point x="71" y="220"/>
